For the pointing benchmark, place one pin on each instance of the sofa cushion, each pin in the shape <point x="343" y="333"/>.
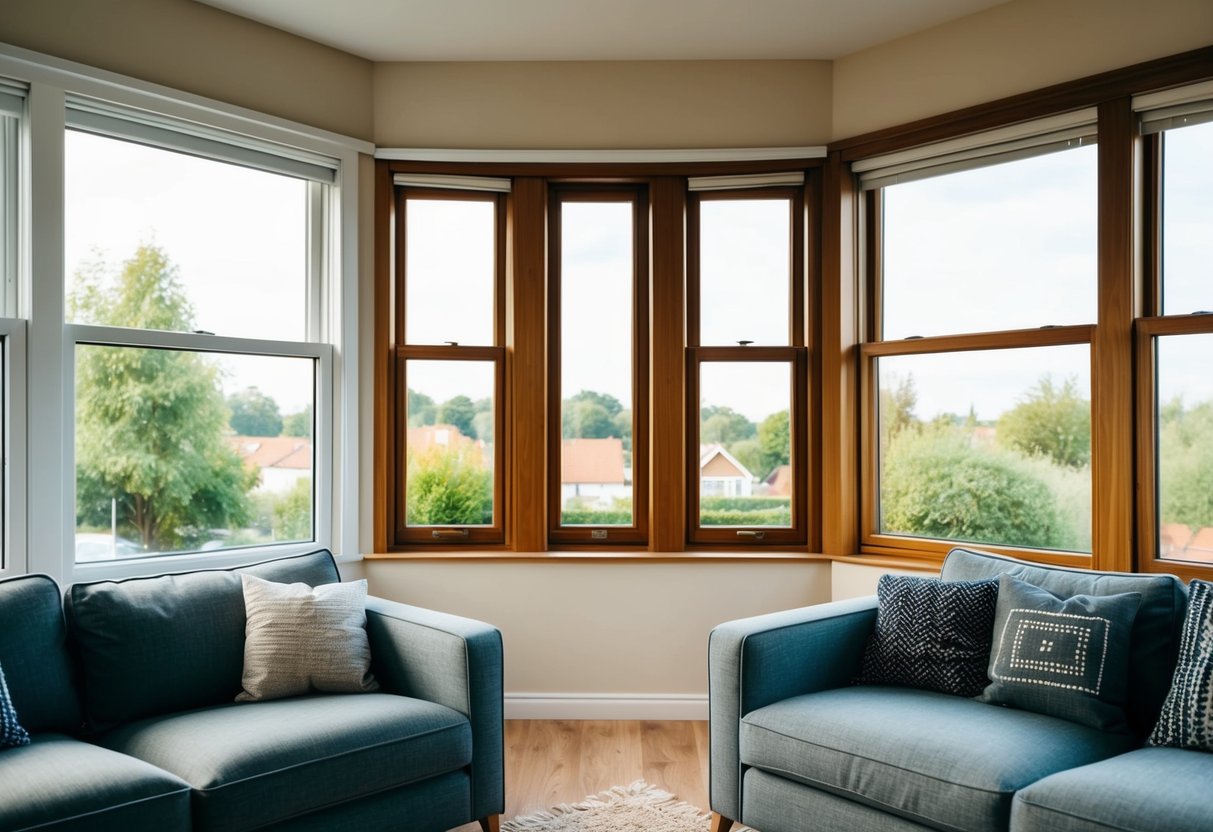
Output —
<point x="12" y="734"/>
<point x="1067" y="658"/>
<point x="1186" y="720"/>
<point x="931" y="634"/>
<point x="61" y="784"/>
<point x="300" y="639"/>
<point x="172" y="642"/>
<point x="1148" y="790"/>
<point x="34" y="654"/>
<point x="1155" y="640"/>
<point x="259" y="763"/>
<point x="935" y="759"/>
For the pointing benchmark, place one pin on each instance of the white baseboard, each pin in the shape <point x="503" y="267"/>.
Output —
<point x="663" y="706"/>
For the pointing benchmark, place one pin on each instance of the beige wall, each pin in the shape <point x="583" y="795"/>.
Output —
<point x="601" y="628"/>
<point x="1013" y="48"/>
<point x="603" y="105"/>
<point x="855" y="580"/>
<point x="202" y="50"/>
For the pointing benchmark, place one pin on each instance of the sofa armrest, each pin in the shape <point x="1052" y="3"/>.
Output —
<point x="754" y="662"/>
<point x="455" y="662"/>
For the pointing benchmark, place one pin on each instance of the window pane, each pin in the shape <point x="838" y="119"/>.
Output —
<point x="186" y="451"/>
<point x="1185" y="448"/>
<point x="987" y="447"/>
<point x="745" y="444"/>
<point x="1187" y="230"/>
<point x="1009" y="246"/>
<point x="449" y="443"/>
<point x="450" y="269"/>
<point x="235" y="239"/>
<point x="745" y="271"/>
<point x="596" y="280"/>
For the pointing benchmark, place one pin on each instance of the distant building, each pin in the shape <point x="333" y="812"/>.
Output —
<point x="779" y="482"/>
<point x="593" y="471"/>
<point x="282" y="460"/>
<point x="722" y="475"/>
<point x="442" y="436"/>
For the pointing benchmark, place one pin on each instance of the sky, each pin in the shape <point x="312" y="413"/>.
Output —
<point x="242" y="261"/>
<point x="1001" y="247"/>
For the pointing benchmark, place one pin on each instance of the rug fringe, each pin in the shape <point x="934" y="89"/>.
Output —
<point x="637" y="791"/>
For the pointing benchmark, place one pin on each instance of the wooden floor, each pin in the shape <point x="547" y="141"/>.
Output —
<point x="549" y="762"/>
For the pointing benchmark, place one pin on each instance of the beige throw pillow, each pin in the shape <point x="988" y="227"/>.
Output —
<point x="300" y="639"/>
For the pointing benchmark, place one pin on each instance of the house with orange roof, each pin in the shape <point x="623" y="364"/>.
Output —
<point x="282" y="460"/>
<point x="592" y="471"/>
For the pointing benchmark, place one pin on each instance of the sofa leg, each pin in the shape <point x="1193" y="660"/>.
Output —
<point x="491" y="823"/>
<point x="720" y="823"/>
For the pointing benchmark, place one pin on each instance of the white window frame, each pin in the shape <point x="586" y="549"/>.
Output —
<point x="50" y="349"/>
<point x="13" y="559"/>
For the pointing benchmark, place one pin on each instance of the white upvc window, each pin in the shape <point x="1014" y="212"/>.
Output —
<point x="192" y="360"/>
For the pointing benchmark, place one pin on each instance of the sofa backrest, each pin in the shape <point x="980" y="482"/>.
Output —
<point x="34" y="655"/>
<point x="168" y="643"/>
<point x="1156" y="630"/>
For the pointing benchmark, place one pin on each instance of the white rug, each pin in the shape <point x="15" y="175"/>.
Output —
<point x="635" y="808"/>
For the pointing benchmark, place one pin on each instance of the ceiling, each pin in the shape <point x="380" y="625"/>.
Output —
<point x="601" y="30"/>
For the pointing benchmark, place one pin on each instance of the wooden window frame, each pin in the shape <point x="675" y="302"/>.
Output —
<point x="871" y="539"/>
<point x="403" y="352"/>
<point x="637" y="534"/>
<point x="876" y="542"/>
<point x="1147" y="331"/>
<point x="795" y="354"/>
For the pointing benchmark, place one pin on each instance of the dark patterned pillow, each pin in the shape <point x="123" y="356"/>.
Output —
<point x="11" y="732"/>
<point x="1067" y="658"/>
<point x="1186" y="720"/>
<point x="931" y="634"/>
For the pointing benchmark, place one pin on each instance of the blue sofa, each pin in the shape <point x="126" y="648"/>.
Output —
<point x="795" y="747"/>
<point x="129" y="702"/>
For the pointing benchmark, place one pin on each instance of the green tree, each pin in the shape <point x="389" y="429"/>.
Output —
<point x="292" y="512"/>
<point x="459" y="412"/>
<point x="934" y="483"/>
<point x="1051" y="421"/>
<point x="609" y="403"/>
<point x="1185" y="464"/>
<point x="254" y="413"/>
<point x="775" y="441"/>
<point x="448" y="487"/>
<point x="725" y="426"/>
<point x="897" y="404"/>
<point x="150" y="423"/>
<point x="298" y="424"/>
<point x="585" y="418"/>
<point x="422" y="410"/>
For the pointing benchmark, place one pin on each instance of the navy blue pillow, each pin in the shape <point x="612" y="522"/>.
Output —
<point x="11" y="732"/>
<point x="931" y="634"/>
<point x="1065" y="657"/>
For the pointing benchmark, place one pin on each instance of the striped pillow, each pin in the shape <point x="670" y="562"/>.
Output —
<point x="300" y="639"/>
<point x="11" y="733"/>
<point x="1186" y="720"/>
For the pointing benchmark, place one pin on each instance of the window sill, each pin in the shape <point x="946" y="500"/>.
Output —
<point x="617" y="556"/>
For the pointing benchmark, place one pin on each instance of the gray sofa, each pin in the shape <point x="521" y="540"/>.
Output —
<point x="795" y="747"/>
<point x="129" y="703"/>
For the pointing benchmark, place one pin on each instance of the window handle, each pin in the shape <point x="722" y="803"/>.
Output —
<point x="439" y="534"/>
<point x="751" y="534"/>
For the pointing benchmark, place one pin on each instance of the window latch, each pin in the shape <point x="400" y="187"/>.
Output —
<point x="441" y="534"/>
<point x="752" y="535"/>
<point x="744" y="343"/>
<point x="451" y="343"/>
